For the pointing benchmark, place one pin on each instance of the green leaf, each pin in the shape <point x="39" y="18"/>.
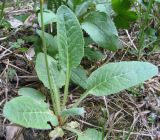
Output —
<point x="11" y="73"/>
<point x="157" y="1"/>
<point x="48" y="16"/>
<point x="17" y="44"/>
<point x="79" y="77"/>
<point x="51" y="43"/>
<point x="41" y="70"/>
<point x="29" y="113"/>
<point x="70" y="38"/>
<point x="22" y="17"/>
<point x="77" y="2"/>
<point x="104" y="6"/>
<point x="73" y="112"/>
<point x="125" y="19"/>
<point x="92" y="54"/>
<point x="121" y="5"/>
<point x="31" y="92"/>
<point x="88" y="41"/>
<point x="82" y="8"/>
<point x="90" y="134"/>
<point x="102" y="30"/>
<point x="124" y="16"/>
<point x="74" y="3"/>
<point x="115" y="77"/>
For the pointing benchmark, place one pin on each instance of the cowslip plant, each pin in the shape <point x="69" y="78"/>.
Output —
<point x="95" y="19"/>
<point x="30" y="109"/>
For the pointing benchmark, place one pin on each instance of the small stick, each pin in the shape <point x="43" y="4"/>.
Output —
<point x="17" y="68"/>
<point x="129" y="37"/>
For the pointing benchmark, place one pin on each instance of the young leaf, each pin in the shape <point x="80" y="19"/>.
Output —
<point x="54" y="72"/>
<point x="102" y="30"/>
<point x="79" y="77"/>
<point x="31" y="92"/>
<point x="73" y="112"/>
<point x="115" y="77"/>
<point x="29" y="113"/>
<point x="70" y="38"/>
<point x="49" y="17"/>
<point x="90" y="134"/>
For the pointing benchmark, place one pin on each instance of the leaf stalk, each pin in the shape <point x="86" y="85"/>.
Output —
<point x="65" y="97"/>
<point x="54" y="93"/>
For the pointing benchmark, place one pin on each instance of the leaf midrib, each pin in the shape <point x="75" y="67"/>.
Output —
<point x="67" y="44"/>
<point x="108" y="79"/>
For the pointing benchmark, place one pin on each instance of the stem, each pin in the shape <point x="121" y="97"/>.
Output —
<point x="2" y="10"/>
<point x="141" y="36"/>
<point x="65" y="97"/>
<point x="45" y="54"/>
<point x="56" y="96"/>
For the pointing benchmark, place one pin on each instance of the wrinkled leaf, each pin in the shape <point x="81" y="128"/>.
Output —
<point x="29" y="113"/>
<point x="115" y="77"/>
<point x="79" y="77"/>
<point x="73" y="112"/>
<point x="102" y="30"/>
<point x="90" y="134"/>
<point x="48" y="16"/>
<point x="55" y="73"/>
<point x="31" y="92"/>
<point x="70" y="38"/>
